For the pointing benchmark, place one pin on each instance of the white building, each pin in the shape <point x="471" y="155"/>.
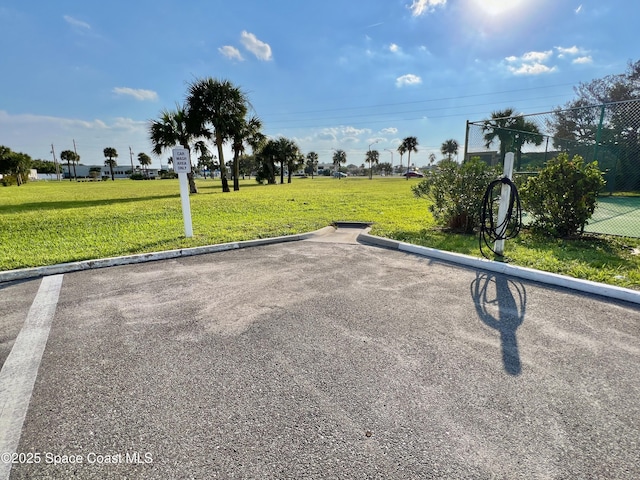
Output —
<point x="99" y="172"/>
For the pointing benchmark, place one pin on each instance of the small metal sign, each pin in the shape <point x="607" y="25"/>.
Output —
<point x="181" y="162"/>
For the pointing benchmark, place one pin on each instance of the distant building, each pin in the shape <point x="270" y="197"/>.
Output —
<point x="100" y="171"/>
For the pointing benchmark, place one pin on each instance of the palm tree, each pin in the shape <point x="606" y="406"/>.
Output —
<point x="312" y="163"/>
<point x="512" y="131"/>
<point x="145" y="161"/>
<point x="401" y="150"/>
<point x="286" y="152"/>
<point x="449" y="148"/>
<point x="294" y="162"/>
<point x="222" y="106"/>
<point x="248" y="132"/>
<point x="410" y="144"/>
<point x="69" y="156"/>
<point x="175" y="128"/>
<point x="267" y="155"/>
<point x="339" y="156"/>
<point x="110" y="154"/>
<point x="499" y="126"/>
<point x="373" y="156"/>
<point x="525" y="132"/>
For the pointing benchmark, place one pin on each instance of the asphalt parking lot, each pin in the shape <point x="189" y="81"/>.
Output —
<point x="324" y="358"/>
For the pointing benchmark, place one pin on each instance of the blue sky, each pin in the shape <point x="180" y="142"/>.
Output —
<point x="330" y="74"/>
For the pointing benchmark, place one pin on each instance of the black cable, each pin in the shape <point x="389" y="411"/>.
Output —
<point x="489" y="226"/>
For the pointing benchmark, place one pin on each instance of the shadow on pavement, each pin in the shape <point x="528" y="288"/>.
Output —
<point x="500" y="303"/>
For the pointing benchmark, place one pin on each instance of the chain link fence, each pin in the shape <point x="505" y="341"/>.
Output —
<point x="608" y="134"/>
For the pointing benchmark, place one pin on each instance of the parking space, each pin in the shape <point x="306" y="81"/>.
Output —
<point x="317" y="359"/>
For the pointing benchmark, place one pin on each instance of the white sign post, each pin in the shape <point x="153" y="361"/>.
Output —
<point x="503" y="206"/>
<point x="182" y="166"/>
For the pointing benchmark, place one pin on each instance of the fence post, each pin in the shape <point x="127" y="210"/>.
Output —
<point x="466" y="142"/>
<point x="598" y="134"/>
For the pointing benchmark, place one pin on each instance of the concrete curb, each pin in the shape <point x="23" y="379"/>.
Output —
<point x="36" y="272"/>
<point x="585" y="286"/>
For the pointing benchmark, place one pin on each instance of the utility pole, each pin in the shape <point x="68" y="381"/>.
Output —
<point x="131" y="157"/>
<point x="76" y="159"/>
<point x="55" y="162"/>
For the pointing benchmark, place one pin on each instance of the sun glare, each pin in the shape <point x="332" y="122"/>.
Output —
<point x="495" y="8"/>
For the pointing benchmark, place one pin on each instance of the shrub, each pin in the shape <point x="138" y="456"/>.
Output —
<point x="563" y="197"/>
<point x="8" y="180"/>
<point x="456" y="192"/>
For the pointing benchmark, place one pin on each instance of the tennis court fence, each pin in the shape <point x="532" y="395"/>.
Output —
<point x="608" y="134"/>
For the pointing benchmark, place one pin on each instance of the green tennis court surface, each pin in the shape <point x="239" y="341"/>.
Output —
<point x="616" y="216"/>
<point x="613" y="216"/>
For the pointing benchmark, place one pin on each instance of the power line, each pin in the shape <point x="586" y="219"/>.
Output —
<point x="430" y="100"/>
<point x="435" y="109"/>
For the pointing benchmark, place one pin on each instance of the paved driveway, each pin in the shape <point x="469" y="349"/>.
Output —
<point x="317" y="359"/>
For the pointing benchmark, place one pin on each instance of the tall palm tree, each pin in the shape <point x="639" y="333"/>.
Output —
<point x="410" y="145"/>
<point x="449" y="148"/>
<point x="339" y="156"/>
<point x="144" y="160"/>
<point x="222" y="106"/>
<point x="500" y="126"/>
<point x="402" y="149"/>
<point x="175" y="128"/>
<point x="373" y="156"/>
<point x="248" y="132"/>
<point x="312" y="163"/>
<point x="110" y="154"/>
<point x="69" y="156"/>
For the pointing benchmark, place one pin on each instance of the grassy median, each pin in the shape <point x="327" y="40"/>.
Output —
<point x="52" y="222"/>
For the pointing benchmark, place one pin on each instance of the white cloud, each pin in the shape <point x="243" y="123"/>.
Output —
<point x="352" y="131"/>
<point x="537" y="56"/>
<point x="231" y="52"/>
<point x="138" y="94"/>
<point x="531" y="63"/>
<point x="76" y="23"/>
<point x="579" y="9"/>
<point x="409" y="79"/>
<point x="261" y="50"/>
<point x="420" y="7"/>
<point x="394" y="48"/>
<point x="567" y="51"/>
<point x="531" y="69"/>
<point x="583" y="60"/>
<point x="389" y="130"/>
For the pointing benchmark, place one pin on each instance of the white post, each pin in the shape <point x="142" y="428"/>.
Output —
<point x="182" y="166"/>
<point x="505" y="195"/>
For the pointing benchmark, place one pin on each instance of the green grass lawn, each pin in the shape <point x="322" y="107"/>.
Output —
<point x="49" y="222"/>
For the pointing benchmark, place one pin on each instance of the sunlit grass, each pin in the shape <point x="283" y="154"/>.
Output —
<point x="48" y="223"/>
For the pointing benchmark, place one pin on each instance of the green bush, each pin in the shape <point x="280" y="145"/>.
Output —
<point x="456" y="192"/>
<point x="8" y="180"/>
<point x="563" y="197"/>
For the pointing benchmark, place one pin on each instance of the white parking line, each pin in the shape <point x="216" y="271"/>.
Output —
<point x="20" y="370"/>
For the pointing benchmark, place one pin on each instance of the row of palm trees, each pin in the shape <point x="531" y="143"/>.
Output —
<point x="408" y="145"/>
<point x="214" y="110"/>
<point x="110" y="155"/>
<point x="219" y="112"/>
